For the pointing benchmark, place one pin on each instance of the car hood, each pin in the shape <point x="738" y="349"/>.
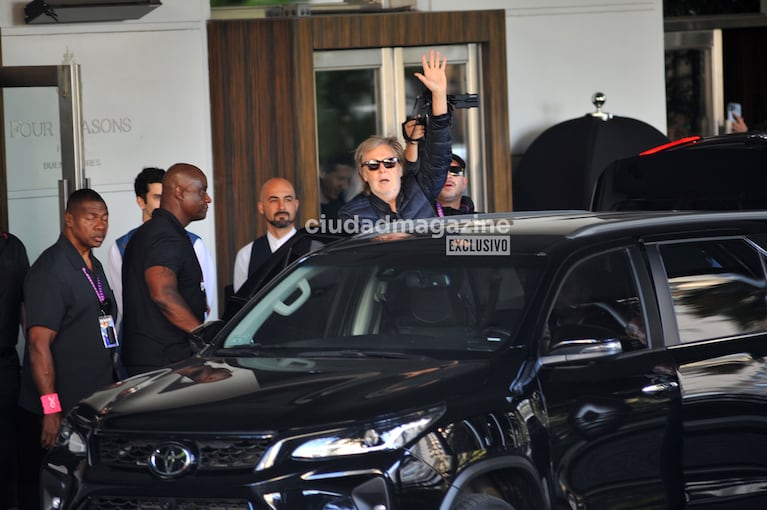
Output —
<point x="268" y="394"/>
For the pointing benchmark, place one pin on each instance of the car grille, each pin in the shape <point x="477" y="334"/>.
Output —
<point x="118" y="503"/>
<point x="213" y="453"/>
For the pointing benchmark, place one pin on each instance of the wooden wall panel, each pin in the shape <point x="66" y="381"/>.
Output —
<point x="4" y="219"/>
<point x="495" y="106"/>
<point x="403" y="29"/>
<point x="263" y="112"/>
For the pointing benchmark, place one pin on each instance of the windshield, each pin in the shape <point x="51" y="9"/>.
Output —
<point x="371" y="301"/>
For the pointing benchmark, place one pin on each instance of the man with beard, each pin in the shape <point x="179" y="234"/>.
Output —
<point x="163" y="287"/>
<point x="279" y="205"/>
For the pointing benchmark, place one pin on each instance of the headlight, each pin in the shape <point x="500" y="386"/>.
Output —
<point x="71" y="439"/>
<point x="386" y="434"/>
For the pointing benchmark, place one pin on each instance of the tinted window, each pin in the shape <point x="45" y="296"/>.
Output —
<point x="598" y="301"/>
<point x="718" y="288"/>
<point x="406" y="301"/>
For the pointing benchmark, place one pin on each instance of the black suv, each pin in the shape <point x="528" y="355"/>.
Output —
<point x="718" y="173"/>
<point x="536" y="361"/>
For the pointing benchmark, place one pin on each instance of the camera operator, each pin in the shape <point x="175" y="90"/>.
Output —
<point x="451" y="199"/>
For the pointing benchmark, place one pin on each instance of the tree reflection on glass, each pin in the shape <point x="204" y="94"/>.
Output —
<point x="346" y="110"/>
<point x="736" y="302"/>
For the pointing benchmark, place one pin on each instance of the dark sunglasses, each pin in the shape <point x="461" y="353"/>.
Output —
<point x="455" y="170"/>
<point x="374" y="164"/>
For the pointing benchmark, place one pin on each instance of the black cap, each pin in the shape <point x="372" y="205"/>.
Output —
<point x="458" y="159"/>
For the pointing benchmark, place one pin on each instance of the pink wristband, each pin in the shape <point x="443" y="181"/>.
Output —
<point x="51" y="403"/>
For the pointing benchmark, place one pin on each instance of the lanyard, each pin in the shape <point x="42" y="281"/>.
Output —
<point x="440" y="212"/>
<point x="96" y="287"/>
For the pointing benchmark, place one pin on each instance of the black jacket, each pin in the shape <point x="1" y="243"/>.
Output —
<point x="419" y="189"/>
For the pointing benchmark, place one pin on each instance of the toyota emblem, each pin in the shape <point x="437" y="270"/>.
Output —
<point x="171" y="460"/>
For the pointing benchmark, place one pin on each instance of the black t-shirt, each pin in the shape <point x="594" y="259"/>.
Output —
<point x="13" y="268"/>
<point x="59" y="296"/>
<point x="466" y="207"/>
<point x="149" y="339"/>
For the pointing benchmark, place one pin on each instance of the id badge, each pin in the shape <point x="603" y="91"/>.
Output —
<point x="107" y="326"/>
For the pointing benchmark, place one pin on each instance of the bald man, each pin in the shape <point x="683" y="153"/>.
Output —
<point x="163" y="288"/>
<point x="278" y="204"/>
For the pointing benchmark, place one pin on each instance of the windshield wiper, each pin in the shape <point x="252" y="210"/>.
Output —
<point x="353" y="353"/>
<point x="249" y="350"/>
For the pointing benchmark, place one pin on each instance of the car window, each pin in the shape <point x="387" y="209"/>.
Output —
<point x="597" y="303"/>
<point x="412" y="302"/>
<point x="717" y="287"/>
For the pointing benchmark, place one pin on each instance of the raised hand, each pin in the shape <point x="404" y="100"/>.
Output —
<point x="435" y="79"/>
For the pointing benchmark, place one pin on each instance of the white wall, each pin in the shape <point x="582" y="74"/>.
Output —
<point x="559" y="52"/>
<point x="145" y="98"/>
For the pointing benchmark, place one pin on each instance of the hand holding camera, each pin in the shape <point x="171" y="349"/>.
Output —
<point x="414" y="129"/>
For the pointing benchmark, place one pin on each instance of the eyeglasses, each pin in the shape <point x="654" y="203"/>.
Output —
<point x="455" y="170"/>
<point x="374" y="164"/>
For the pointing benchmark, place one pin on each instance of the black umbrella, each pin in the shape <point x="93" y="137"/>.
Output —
<point x="561" y="166"/>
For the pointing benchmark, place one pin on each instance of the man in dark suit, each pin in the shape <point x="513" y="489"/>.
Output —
<point x="279" y="205"/>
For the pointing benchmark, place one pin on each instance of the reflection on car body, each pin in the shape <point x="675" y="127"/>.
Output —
<point x="300" y="244"/>
<point x="609" y="361"/>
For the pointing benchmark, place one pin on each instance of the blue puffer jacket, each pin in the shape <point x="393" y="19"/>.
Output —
<point x="419" y="189"/>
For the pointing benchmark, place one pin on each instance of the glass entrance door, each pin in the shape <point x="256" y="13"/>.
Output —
<point x="43" y="150"/>
<point x="367" y="91"/>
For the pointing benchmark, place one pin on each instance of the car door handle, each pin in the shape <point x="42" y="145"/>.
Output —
<point x="659" y="388"/>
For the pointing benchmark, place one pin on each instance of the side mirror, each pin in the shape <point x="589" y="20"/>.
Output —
<point x="203" y="335"/>
<point x="582" y="349"/>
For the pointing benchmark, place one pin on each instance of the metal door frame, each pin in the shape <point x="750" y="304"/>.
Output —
<point x="66" y="79"/>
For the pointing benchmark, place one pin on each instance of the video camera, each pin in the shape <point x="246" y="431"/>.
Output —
<point x="422" y="108"/>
